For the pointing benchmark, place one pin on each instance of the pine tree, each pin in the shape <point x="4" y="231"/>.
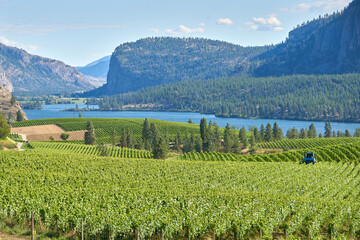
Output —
<point x="228" y="139"/>
<point x="198" y="144"/>
<point x="178" y="142"/>
<point x="4" y="128"/>
<point x="90" y="134"/>
<point x="154" y="135"/>
<point x="12" y="100"/>
<point x="334" y="134"/>
<point x="19" y="116"/>
<point x="129" y="139"/>
<point x="327" y="130"/>
<point x="312" y="131"/>
<point x="303" y="133"/>
<point x="262" y="133"/>
<point x="253" y="145"/>
<point x="256" y="134"/>
<point x="146" y="134"/>
<point x="292" y="133"/>
<point x="210" y="142"/>
<point x="203" y="126"/>
<point x="357" y="132"/>
<point x="10" y="118"/>
<point x="278" y="133"/>
<point x="217" y="137"/>
<point x="338" y="134"/>
<point x="161" y="148"/>
<point x="243" y="138"/>
<point x="347" y="133"/>
<point x="123" y="139"/>
<point x="189" y="145"/>
<point x="268" y="133"/>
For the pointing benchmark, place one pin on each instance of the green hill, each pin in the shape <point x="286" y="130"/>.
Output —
<point x="156" y="61"/>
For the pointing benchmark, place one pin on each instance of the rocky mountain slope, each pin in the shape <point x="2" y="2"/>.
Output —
<point x="23" y="72"/>
<point x="8" y="105"/>
<point x="155" y="61"/>
<point x="328" y="45"/>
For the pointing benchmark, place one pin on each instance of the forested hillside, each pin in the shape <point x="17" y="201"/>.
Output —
<point x="307" y="97"/>
<point x="155" y="61"/>
<point x="327" y="45"/>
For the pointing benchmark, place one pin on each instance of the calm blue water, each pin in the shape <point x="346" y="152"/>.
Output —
<point x="54" y="111"/>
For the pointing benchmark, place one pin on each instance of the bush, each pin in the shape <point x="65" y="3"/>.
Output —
<point x="64" y="136"/>
<point x="4" y="128"/>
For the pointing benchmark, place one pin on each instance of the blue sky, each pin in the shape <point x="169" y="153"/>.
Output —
<point x="80" y="31"/>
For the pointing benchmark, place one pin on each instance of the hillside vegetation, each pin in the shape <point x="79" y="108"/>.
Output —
<point x="156" y="61"/>
<point x="327" y="45"/>
<point x="301" y="97"/>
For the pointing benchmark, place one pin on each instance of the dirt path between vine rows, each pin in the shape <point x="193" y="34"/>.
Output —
<point x="4" y="236"/>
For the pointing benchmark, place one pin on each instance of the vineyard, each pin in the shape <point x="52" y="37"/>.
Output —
<point x="307" y="143"/>
<point x="329" y="153"/>
<point x="74" y="148"/>
<point x="245" y="200"/>
<point x="105" y="127"/>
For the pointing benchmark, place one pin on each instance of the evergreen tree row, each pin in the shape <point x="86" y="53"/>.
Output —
<point x="301" y="97"/>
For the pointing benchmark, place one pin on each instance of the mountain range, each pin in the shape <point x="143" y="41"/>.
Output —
<point x="161" y="60"/>
<point x="96" y="72"/>
<point x="327" y="45"/>
<point x="24" y="73"/>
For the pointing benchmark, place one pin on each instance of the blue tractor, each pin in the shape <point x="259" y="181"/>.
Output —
<point x="309" y="157"/>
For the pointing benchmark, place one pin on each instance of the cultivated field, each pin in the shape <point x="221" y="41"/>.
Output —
<point x="44" y="132"/>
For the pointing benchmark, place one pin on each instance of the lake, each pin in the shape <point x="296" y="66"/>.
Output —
<point x="55" y="111"/>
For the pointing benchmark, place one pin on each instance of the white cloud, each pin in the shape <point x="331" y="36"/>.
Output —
<point x="224" y="21"/>
<point x="154" y="30"/>
<point x="330" y="5"/>
<point x="271" y="23"/>
<point x="35" y="29"/>
<point x="202" y="24"/>
<point x="184" y="30"/>
<point x="28" y="47"/>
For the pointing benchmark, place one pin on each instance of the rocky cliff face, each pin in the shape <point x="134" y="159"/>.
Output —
<point x="23" y="72"/>
<point x="155" y="61"/>
<point x="8" y="106"/>
<point x="329" y="45"/>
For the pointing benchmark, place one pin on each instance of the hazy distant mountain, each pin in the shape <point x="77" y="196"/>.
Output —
<point x="155" y="61"/>
<point x="328" y="45"/>
<point x="96" y="72"/>
<point x="23" y="72"/>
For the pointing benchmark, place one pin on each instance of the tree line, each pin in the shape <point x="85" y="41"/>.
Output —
<point x="297" y="97"/>
<point x="211" y="138"/>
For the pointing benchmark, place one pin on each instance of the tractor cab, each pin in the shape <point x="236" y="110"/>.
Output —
<point x="309" y="157"/>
